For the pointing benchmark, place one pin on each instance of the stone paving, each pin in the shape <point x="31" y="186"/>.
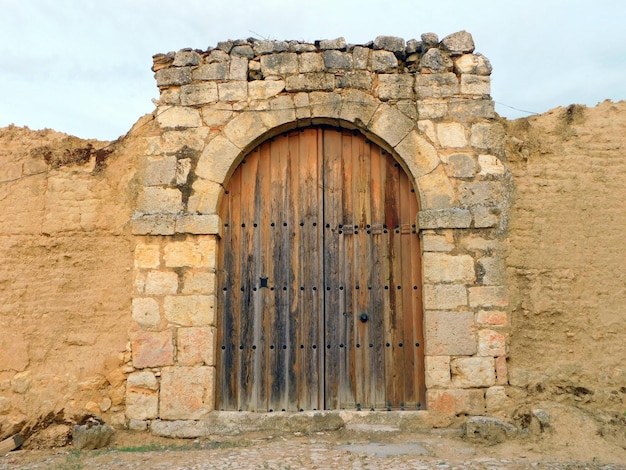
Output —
<point x="297" y="451"/>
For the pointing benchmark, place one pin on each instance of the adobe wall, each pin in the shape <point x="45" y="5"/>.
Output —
<point x="426" y="102"/>
<point x="65" y="275"/>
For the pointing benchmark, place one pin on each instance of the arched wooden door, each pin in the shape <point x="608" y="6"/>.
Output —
<point x="319" y="279"/>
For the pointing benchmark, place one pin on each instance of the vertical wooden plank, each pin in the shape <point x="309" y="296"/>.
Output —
<point x="332" y="209"/>
<point x="318" y="291"/>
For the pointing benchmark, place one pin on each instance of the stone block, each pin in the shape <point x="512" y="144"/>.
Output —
<point x="242" y="51"/>
<point x="437" y="369"/>
<point x="295" y="46"/>
<point x="360" y="57"/>
<point x="466" y="63"/>
<point x="147" y="256"/>
<point x="310" y="62"/>
<point x="174" y="141"/>
<point x="471" y="109"/>
<point x="217" y="118"/>
<point x="451" y="134"/>
<point x="502" y="376"/>
<point x="496" y="400"/>
<point x="461" y="165"/>
<point x="198" y="93"/>
<point x="204" y="197"/>
<point x="418" y="154"/>
<point x="280" y="64"/>
<point x="358" y="107"/>
<point x="444" y="218"/>
<point x="233" y="91"/>
<point x="199" y="282"/>
<point x="359" y="80"/>
<point x="460" y="42"/>
<point x="220" y="153"/>
<point x="159" y="171"/>
<point x="390" y="43"/>
<point x="436" y="61"/>
<point x="394" y="86"/>
<point x="184" y="58"/>
<point x="152" y="349"/>
<point x="492" y="270"/>
<point x="183" y="167"/>
<point x="142" y="379"/>
<point x="153" y="224"/>
<point x="429" y="40"/>
<point x="196" y="346"/>
<point x="138" y="425"/>
<point x="173" y="76"/>
<point x="186" y="392"/>
<point x="478" y="243"/>
<point x="470" y="372"/>
<point x="169" y="96"/>
<point x="485" y="217"/>
<point x="190" y="310"/>
<point x="201" y="224"/>
<point x="315" y="81"/>
<point x="488" y="430"/>
<point x="432" y="108"/>
<point x="437" y="243"/>
<point x="269" y="46"/>
<point x="301" y="103"/>
<point x="161" y="283"/>
<point x="93" y="435"/>
<point x="213" y="71"/>
<point x="442" y="267"/>
<point x="449" y="333"/>
<point x="238" y="68"/>
<point x="456" y="402"/>
<point x="485" y="193"/>
<point x="436" y="85"/>
<point x="489" y="136"/>
<point x="491" y="343"/>
<point x="383" y="61"/>
<point x="145" y="312"/>
<point x="436" y="190"/>
<point x="178" y="116"/>
<point x="475" y="85"/>
<point x="198" y="252"/>
<point x="491" y="317"/>
<point x="337" y="60"/>
<point x="264" y="89"/>
<point x="390" y="124"/>
<point x="338" y="43"/>
<point x="427" y="127"/>
<point x="282" y="111"/>
<point x="141" y="404"/>
<point x="325" y="105"/>
<point x="488" y="296"/>
<point x="157" y="200"/>
<point x="490" y="165"/>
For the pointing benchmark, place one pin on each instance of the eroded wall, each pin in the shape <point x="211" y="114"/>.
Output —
<point x="65" y="275"/>
<point x="566" y="274"/>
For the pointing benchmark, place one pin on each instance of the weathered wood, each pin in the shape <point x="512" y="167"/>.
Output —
<point x="11" y="443"/>
<point x="317" y="232"/>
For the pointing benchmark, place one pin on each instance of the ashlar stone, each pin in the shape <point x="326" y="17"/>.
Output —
<point x="491" y="343"/>
<point x="359" y="80"/>
<point x="488" y="135"/>
<point x="195" y="346"/>
<point x="173" y="76"/>
<point x="161" y="283"/>
<point x="390" y="43"/>
<point x="147" y="255"/>
<point x="475" y="85"/>
<point x="185" y="57"/>
<point x="264" y="89"/>
<point x="358" y="107"/>
<point x="360" y="56"/>
<point x="444" y="218"/>
<point x="451" y="135"/>
<point x="488" y="296"/>
<point x="143" y="379"/>
<point x="198" y="252"/>
<point x="198" y="93"/>
<point x="395" y="86"/>
<point x="186" y="392"/>
<point x="152" y="349"/>
<point x="338" y="43"/>
<point x="199" y="282"/>
<point x="437" y="243"/>
<point x="470" y="372"/>
<point x="419" y="155"/>
<point x="436" y="190"/>
<point x="204" y="197"/>
<point x="315" y="81"/>
<point x="461" y="165"/>
<point x="311" y="62"/>
<point x="190" y="310"/>
<point x="436" y="85"/>
<point x="157" y="200"/>
<point x="490" y="165"/>
<point x="456" y="401"/>
<point x="337" y="60"/>
<point x="159" y="171"/>
<point x="441" y="267"/>
<point x="145" y="312"/>
<point x="233" y="91"/>
<point x="449" y="333"/>
<point x="383" y="61"/>
<point x="238" y="68"/>
<point x="437" y="371"/>
<point x="444" y="296"/>
<point x="200" y="224"/>
<point x="280" y="64"/>
<point x="220" y="153"/>
<point x="436" y="61"/>
<point x="212" y="71"/>
<point x="390" y="124"/>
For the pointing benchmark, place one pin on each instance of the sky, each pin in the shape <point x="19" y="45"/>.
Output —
<point x="83" y="66"/>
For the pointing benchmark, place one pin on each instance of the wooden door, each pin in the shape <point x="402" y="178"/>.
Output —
<point x="320" y="283"/>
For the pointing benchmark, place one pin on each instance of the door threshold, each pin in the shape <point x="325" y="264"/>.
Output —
<point x="232" y="423"/>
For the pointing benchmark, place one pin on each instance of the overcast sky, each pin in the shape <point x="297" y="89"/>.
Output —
<point x="83" y="66"/>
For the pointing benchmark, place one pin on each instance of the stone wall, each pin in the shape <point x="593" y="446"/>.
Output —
<point x="427" y="102"/>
